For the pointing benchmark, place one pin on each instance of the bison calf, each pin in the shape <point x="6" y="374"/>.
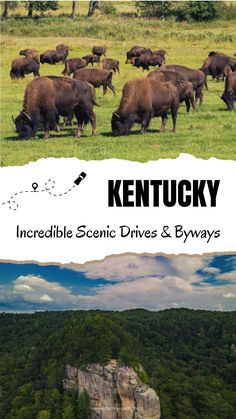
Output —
<point x="92" y="58"/>
<point x="110" y="64"/>
<point x="72" y="65"/>
<point x="97" y="78"/>
<point x="143" y="99"/>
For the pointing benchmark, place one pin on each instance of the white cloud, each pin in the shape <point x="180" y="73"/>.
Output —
<point x="211" y="270"/>
<point x="229" y="295"/>
<point x="36" y="289"/>
<point x="230" y="276"/>
<point x="46" y="298"/>
<point x="132" y="267"/>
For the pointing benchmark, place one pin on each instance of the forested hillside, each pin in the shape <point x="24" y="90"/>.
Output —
<point x="189" y="358"/>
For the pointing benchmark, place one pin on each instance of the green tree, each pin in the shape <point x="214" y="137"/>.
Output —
<point x="158" y="9"/>
<point x="84" y="405"/>
<point x="41" y="6"/>
<point x="197" y="10"/>
<point x="43" y="414"/>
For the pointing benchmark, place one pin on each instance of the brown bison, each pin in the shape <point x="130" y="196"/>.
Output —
<point x="227" y="70"/>
<point x="63" y="51"/>
<point x="229" y="94"/>
<point x="92" y="58"/>
<point x="30" y="52"/>
<point x="110" y="64"/>
<point x="46" y="98"/>
<point x="146" y="60"/>
<point x="215" y="63"/>
<point x="50" y="57"/>
<point x="136" y="51"/>
<point x="160" y="52"/>
<point x="99" y="51"/>
<point x="196" y="77"/>
<point x="97" y="78"/>
<point x="72" y="65"/>
<point x="22" y="66"/>
<point x="143" y="99"/>
<point x="185" y="88"/>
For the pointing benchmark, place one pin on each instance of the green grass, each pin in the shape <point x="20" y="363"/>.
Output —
<point x="210" y="131"/>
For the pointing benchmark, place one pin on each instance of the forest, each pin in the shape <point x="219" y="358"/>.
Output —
<point x="189" y="358"/>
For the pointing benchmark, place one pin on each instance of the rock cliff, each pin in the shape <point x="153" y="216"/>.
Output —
<point x="115" y="391"/>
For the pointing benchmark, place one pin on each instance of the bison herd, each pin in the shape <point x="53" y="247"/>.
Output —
<point x="164" y="89"/>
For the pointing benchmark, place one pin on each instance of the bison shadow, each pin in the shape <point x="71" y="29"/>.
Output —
<point x="133" y="132"/>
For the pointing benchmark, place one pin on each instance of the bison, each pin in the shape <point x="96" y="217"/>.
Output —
<point x="22" y="66"/>
<point x="229" y="94"/>
<point x="99" y="51"/>
<point x="46" y="98"/>
<point x="143" y="99"/>
<point x="185" y="88"/>
<point x="72" y="65"/>
<point x="30" y="52"/>
<point x="92" y="58"/>
<point x="196" y="77"/>
<point x="136" y="51"/>
<point x="97" y="78"/>
<point x="215" y="63"/>
<point x="50" y="57"/>
<point x="146" y="60"/>
<point x="110" y="64"/>
<point x="63" y="51"/>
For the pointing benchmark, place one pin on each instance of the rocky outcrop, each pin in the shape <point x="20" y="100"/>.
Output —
<point x="115" y="391"/>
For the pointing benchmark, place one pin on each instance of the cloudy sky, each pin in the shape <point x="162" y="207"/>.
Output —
<point x="122" y="282"/>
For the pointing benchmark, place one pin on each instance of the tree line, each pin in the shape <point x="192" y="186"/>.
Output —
<point x="43" y="6"/>
<point x="188" y="10"/>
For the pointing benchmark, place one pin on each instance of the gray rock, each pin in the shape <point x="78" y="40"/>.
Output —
<point x="115" y="391"/>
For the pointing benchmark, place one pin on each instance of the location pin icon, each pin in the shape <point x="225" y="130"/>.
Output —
<point x="34" y="186"/>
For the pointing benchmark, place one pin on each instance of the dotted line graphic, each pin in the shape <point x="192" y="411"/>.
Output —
<point x="48" y="187"/>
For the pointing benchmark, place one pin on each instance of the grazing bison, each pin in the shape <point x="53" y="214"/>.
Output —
<point x="22" y="66"/>
<point x="92" y="58"/>
<point x="110" y="64"/>
<point x="146" y="60"/>
<point x="97" y="78"/>
<point x="229" y="94"/>
<point x="136" y="51"/>
<point x="50" y="57"/>
<point x="99" y="51"/>
<point x="215" y="63"/>
<point x="30" y="52"/>
<point x="185" y="88"/>
<point x="49" y="97"/>
<point x="160" y="52"/>
<point x="63" y="51"/>
<point x="72" y="65"/>
<point x="143" y="99"/>
<point x="196" y="77"/>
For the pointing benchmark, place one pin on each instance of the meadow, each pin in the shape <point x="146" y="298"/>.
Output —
<point x="209" y="131"/>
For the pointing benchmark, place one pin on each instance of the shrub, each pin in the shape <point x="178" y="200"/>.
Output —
<point x="197" y="10"/>
<point x="108" y="8"/>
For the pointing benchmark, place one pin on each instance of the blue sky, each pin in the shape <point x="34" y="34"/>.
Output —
<point x="122" y="282"/>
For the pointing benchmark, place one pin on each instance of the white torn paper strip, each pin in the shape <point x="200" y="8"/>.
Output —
<point x="41" y="199"/>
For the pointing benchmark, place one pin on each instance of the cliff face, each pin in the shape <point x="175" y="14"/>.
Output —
<point x="115" y="392"/>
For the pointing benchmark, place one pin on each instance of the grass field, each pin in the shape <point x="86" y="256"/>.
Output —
<point x="210" y="131"/>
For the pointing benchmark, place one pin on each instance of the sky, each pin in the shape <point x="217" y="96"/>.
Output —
<point x="122" y="282"/>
